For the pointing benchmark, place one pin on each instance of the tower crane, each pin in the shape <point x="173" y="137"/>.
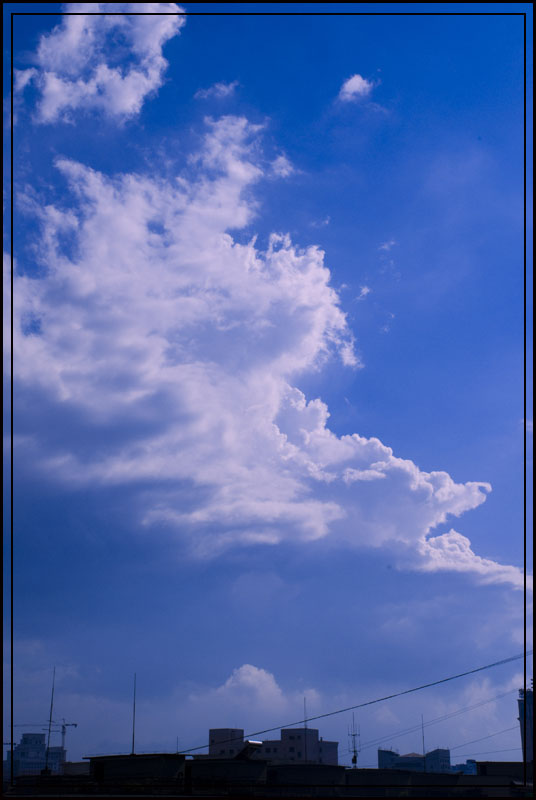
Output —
<point x="64" y="726"/>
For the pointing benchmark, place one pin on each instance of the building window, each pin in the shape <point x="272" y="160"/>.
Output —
<point x="291" y="749"/>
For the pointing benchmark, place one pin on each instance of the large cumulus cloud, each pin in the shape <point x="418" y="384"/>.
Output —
<point x="178" y="349"/>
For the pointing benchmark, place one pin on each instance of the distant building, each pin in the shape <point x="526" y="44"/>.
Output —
<point x="30" y="756"/>
<point x="525" y="705"/>
<point x="387" y="759"/>
<point x="225" y="742"/>
<point x="469" y="768"/>
<point x="302" y="745"/>
<point x="435" y="761"/>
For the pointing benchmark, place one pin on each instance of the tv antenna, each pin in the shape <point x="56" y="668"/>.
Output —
<point x="305" y="723"/>
<point x="134" y="717"/>
<point x="353" y="736"/>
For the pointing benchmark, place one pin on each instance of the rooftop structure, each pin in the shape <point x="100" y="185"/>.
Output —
<point x="525" y="705"/>
<point x="296" y="745"/>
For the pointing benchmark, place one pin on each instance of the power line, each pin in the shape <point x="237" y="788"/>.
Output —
<point x="457" y="712"/>
<point x="488" y="752"/>
<point x="490" y="736"/>
<point x="371" y="702"/>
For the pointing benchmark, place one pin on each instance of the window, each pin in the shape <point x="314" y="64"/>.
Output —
<point x="291" y="749"/>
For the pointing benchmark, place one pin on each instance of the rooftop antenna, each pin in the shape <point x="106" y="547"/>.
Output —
<point x="305" y="723"/>
<point x="134" y="717"/>
<point x="46" y="771"/>
<point x="353" y="748"/>
<point x="423" y="750"/>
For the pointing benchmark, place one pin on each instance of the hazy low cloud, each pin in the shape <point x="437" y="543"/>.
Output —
<point x="355" y="88"/>
<point x="104" y="63"/>
<point x="250" y="697"/>
<point x="217" y="90"/>
<point x="160" y="327"/>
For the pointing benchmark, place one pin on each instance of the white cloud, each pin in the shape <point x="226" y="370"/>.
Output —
<point x="282" y="167"/>
<point x="452" y="551"/>
<point x="363" y="292"/>
<point x="355" y="88"/>
<point x="217" y="90"/>
<point x="251" y="697"/>
<point x="102" y="63"/>
<point x="187" y="344"/>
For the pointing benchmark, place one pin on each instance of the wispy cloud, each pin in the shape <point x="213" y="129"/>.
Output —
<point x="388" y="245"/>
<point x="355" y="88"/>
<point x="77" y="63"/>
<point x="217" y="90"/>
<point x="282" y="167"/>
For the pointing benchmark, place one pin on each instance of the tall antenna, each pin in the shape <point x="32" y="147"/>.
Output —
<point x="305" y="723"/>
<point x="353" y="748"/>
<point x="134" y="717"/>
<point x="46" y="771"/>
<point x="423" y="750"/>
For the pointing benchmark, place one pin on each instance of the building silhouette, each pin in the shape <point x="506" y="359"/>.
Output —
<point x="525" y="705"/>
<point x="30" y="756"/>
<point x="434" y="761"/>
<point x="296" y="745"/>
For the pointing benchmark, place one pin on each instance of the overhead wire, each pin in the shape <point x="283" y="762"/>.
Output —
<point x="369" y="702"/>
<point x="435" y="721"/>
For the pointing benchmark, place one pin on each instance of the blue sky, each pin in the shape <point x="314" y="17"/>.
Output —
<point x="268" y="347"/>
